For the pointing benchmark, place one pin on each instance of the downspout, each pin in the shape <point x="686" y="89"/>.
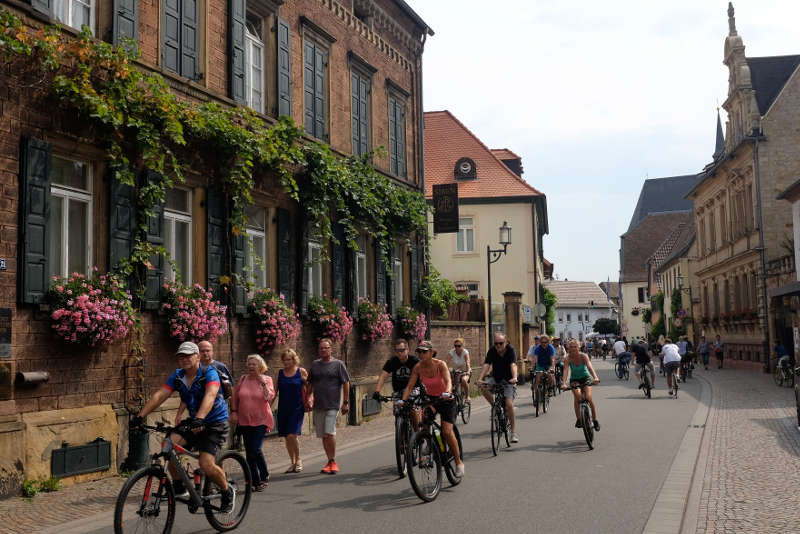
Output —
<point x="421" y="167"/>
<point x="762" y="255"/>
<point x="536" y="295"/>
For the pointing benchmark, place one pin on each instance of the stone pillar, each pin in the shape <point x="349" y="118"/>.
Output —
<point x="513" y="306"/>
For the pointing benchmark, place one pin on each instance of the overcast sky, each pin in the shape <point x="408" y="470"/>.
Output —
<point x="594" y="96"/>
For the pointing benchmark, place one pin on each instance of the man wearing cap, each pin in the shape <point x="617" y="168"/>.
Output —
<point x="225" y="376"/>
<point x="207" y="426"/>
<point x="502" y="360"/>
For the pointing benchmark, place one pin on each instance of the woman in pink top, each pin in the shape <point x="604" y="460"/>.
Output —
<point x="251" y="410"/>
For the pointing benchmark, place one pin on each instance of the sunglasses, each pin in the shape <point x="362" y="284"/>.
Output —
<point x="457" y="346"/>
<point x="499" y="343"/>
<point x="401" y="350"/>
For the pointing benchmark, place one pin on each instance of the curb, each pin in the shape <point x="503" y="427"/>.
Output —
<point x="675" y="505"/>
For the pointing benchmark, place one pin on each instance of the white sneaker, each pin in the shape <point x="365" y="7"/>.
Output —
<point x="514" y="438"/>
<point x="460" y="470"/>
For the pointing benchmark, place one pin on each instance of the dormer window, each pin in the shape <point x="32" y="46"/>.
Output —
<point x="465" y="169"/>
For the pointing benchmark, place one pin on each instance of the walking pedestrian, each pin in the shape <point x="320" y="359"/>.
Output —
<point x="251" y="410"/>
<point x="705" y="351"/>
<point x="292" y="381"/>
<point x="719" y="351"/>
<point x="330" y="383"/>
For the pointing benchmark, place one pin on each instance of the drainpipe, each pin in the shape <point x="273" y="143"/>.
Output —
<point x="421" y="165"/>
<point x="762" y="254"/>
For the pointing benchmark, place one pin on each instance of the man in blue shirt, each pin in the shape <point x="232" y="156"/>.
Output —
<point x="207" y="426"/>
<point x="545" y="360"/>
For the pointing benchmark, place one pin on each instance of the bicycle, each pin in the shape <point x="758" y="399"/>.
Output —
<point x="402" y="433"/>
<point x="540" y="393"/>
<point x="646" y="386"/>
<point x="464" y="408"/>
<point x="146" y="501"/>
<point x="783" y="374"/>
<point x="621" y="370"/>
<point x="499" y="424"/>
<point x="428" y="453"/>
<point x="558" y="373"/>
<point x="586" y="413"/>
<point x="675" y="377"/>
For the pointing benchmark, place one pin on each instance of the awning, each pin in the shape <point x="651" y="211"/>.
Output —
<point x="783" y="291"/>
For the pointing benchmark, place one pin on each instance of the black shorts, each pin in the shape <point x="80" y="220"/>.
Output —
<point x="582" y="382"/>
<point x="671" y="366"/>
<point x="446" y="408"/>
<point x="210" y="440"/>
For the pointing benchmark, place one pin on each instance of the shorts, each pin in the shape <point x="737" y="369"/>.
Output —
<point x="509" y="390"/>
<point x="671" y="366"/>
<point x="540" y="369"/>
<point x="624" y="357"/>
<point x="446" y="408"/>
<point x="648" y="365"/>
<point x="582" y="382"/>
<point x="325" y="422"/>
<point x="210" y="440"/>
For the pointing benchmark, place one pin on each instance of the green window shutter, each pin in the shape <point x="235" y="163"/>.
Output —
<point x="285" y="269"/>
<point x="305" y="259"/>
<point x="414" y="275"/>
<point x="154" y="234"/>
<point x="122" y="221"/>
<point x="401" y="139"/>
<point x="237" y="266"/>
<point x="320" y="62"/>
<point x="237" y="10"/>
<point x="35" y="203"/>
<point x="308" y="87"/>
<point x="392" y="135"/>
<point x="284" y="69"/>
<point x="392" y="288"/>
<point x="338" y="256"/>
<point x="380" y="275"/>
<point x="359" y="112"/>
<point x="215" y="239"/>
<point x="126" y="20"/>
<point x="42" y="6"/>
<point x="189" y="38"/>
<point x="171" y="45"/>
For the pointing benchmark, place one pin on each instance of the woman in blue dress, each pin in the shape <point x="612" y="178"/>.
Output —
<point x="292" y="380"/>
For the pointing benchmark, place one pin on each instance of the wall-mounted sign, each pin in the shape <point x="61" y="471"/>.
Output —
<point x="465" y="170"/>
<point x="445" y="208"/>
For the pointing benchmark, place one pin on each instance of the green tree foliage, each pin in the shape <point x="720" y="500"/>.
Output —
<point x="658" y="328"/>
<point x="658" y="302"/>
<point x="549" y="300"/>
<point x="605" y="325"/>
<point x="647" y="315"/>
<point x="438" y="293"/>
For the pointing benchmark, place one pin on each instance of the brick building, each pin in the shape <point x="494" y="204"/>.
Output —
<point x="349" y="72"/>
<point x="741" y="226"/>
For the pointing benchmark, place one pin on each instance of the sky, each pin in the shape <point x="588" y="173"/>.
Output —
<point x="595" y="97"/>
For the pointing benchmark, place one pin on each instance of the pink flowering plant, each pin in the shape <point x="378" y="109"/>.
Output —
<point x="328" y="319"/>
<point x="276" y="322"/>
<point x="192" y="312"/>
<point x="373" y="321"/>
<point x="410" y="323"/>
<point x="91" y="311"/>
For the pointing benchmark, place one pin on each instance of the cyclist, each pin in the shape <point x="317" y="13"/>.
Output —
<point x="435" y="376"/>
<point x="399" y="367"/>
<point x="643" y="363"/>
<point x="580" y="371"/>
<point x="542" y="359"/>
<point x="672" y="362"/>
<point x="502" y="360"/>
<point x="207" y="426"/>
<point x="621" y="350"/>
<point x="458" y="360"/>
<point x="561" y="354"/>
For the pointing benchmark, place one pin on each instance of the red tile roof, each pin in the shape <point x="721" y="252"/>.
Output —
<point x="504" y="153"/>
<point x="446" y="141"/>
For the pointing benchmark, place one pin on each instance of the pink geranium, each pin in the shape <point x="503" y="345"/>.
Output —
<point x="328" y="319"/>
<point x="276" y="322"/>
<point x="373" y="321"/>
<point x="410" y="323"/>
<point x="193" y="313"/>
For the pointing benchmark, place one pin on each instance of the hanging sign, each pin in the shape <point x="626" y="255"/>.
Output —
<point x="445" y="208"/>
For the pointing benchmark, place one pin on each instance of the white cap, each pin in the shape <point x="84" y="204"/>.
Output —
<point x="187" y="347"/>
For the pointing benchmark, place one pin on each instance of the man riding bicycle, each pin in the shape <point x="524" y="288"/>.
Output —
<point x="542" y="359"/>
<point x="561" y="355"/>
<point x="502" y="360"/>
<point x="672" y="362"/>
<point x="207" y="426"/>
<point x="643" y="363"/>
<point x="399" y="367"/>
<point x="621" y="350"/>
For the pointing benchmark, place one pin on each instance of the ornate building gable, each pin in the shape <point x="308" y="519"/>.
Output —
<point x="741" y="105"/>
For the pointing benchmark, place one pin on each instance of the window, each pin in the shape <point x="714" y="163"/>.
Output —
<point x="178" y="234"/>
<point x="179" y="37"/>
<point x="314" y="269"/>
<point x="723" y="225"/>
<point x="360" y="89"/>
<point x="254" y="62"/>
<point x="471" y="288"/>
<point x="74" y="13"/>
<point x="255" y="256"/>
<point x="569" y="318"/>
<point x="315" y="61"/>
<point x="560" y="318"/>
<point x="716" y="300"/>
<point x="465" y="239"/>
<point x="397" y="278"/>
<point x="361" y="273"/>
<point x="712" y="233"/>
<point x="641" y="294"/>
<point x="580" y="317"/>
<point x="397" y="136"/>
<point x="706" y="309"/>
<point x="70" y="219"/>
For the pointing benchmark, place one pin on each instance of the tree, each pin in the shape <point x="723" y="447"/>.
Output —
<point x="549" y="300"/>
<point x="604" y="325"/>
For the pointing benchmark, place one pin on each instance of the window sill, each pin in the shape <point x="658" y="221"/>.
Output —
<point x="466" y="255"/>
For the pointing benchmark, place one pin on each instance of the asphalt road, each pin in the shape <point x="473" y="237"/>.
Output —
<point x="549" y="481"/>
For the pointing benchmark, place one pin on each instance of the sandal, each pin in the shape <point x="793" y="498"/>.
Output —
<point x="298" y="466"/>
<point x="291" y="469"/>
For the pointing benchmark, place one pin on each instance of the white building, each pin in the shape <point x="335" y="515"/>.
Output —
<point x="579" y="305"/>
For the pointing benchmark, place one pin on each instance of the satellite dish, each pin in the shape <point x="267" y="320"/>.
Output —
<point x="540" y="309"/>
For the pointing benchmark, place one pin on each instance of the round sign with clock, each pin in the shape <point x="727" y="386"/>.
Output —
<point x="465" y="169"/>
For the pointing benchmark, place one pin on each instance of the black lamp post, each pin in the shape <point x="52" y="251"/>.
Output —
<point x="491" y="257"/>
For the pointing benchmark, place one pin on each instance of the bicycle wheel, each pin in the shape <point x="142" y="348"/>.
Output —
<point x="449" y="462"/>
<point x="533" y="397"/>
<point x="466" y="412"/>
<point x="401" y="435"/>
<point x="495" y="429"/>
<point x="588" y="429"/>
<point x="536" y="399"/>
<point x="626" y="373"/>
<point x="646" y="382"/>
<point x="545" y="398"/>
<point x="617" y="371"/>
<point x="424" y="466"/>
<point x="237" y="473"/>
<point x="778" y="376"/>
<point x="146" y="503"/>
<point x="505" y="427"/>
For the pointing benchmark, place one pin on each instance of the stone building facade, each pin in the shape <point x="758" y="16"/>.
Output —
<point x="740" y="223"/>
<point x="349" y="72"/>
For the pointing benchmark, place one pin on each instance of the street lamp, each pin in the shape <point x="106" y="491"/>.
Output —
<point x="492" y="255"/>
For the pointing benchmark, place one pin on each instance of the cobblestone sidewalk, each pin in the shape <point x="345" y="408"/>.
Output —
<point x="751" y="482"/>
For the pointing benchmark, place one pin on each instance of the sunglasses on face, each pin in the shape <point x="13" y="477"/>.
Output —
<point x="499" y="343"/>
<point x="457" y="346"/>
<point x="401" y="350"/>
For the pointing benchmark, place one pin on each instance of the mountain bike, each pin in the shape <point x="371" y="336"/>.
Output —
<point x="585" y="410"/>
<point x="146" y="502"/>
<point x="647" y="387"/>
<point x="464" y="408"/>
<point x="558" y="373"/>
<point x="672" y="371"/>
<point x="621" y="370"/>
<point x="499" y="423"/>
<point x="428" y="453"/>
<point x="540" y="393"/>
<point x="783" y="375"/>
<point x="403" y="429"/>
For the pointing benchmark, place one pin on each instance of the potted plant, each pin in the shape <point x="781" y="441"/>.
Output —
<point x="410" y="323"/>
<point x="276" y="323"/>
<point x="192" y="313"/>
<point x="328" y="319"/>
<point x="373" y="321"/>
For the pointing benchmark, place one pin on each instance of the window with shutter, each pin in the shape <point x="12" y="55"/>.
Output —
<point x="126" y="20"/>
<point x="315" y="62"/>
<point x="285" y="267"/>
<point x="254" y="62"/>
<point x="360" y="90"/>
<point x="237" y="12"/>
<point x="122" y="222"/>
<point x="237" y="266"/>
<point x="73" y="13"/>
<point x="35" y="200"/>
<point x="338" y="261"/>
<point x="215" y="238"/>
<point x="380" y="276"/>
<point x="256" y="250"/>
<point x="397" y="136"/>
<point x="178" y="234"/>
<point x="413" y="254"/>
<point x="284" y="68"/>
<point x="396" y="288"/>
<point x="179" y="37"/>
<point x="70" y="218"/>
<point x="154" y="234"/>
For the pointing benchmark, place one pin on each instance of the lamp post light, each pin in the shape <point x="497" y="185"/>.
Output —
<point x="492" y="256"/>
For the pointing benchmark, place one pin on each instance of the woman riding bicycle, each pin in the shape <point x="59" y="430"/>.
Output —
<point x="458" y="360"/>
<point x="580" y="372"/>
<point x="435" y="376"/>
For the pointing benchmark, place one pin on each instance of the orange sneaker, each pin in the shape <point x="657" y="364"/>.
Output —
<point x="334" y="468"/>
<point x="327" y="469"/>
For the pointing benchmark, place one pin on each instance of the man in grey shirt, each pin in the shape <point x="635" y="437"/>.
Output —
<point x="331" y="386"/>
